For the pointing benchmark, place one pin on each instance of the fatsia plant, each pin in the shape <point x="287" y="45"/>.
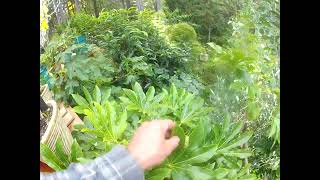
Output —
<point x="145" y="104"/>
<point x="176" y="104"/>
<point x="186" y="108"/>
<point x="87" y="102"/>
<point x="104" y="127"/>
<point x="59" y="159"/>
<point x="198" y="150"/>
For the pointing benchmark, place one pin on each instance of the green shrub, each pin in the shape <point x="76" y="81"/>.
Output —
<point x="182" y="32"/>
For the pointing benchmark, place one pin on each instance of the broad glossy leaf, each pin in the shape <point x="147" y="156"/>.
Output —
<point x="131" y="95"/>
<point x="76" y="151"/>
<point x="78" y="109"/>
<point x="80" y="100"/>
<point x="253" y="111"/>
<point x="139" y="91"/>
<point x="105" y="96"/>
<point x="159" y="174"/>
<point x="220" y="173"/>
<point x="50" y="158"/>
<point x="87" y="94"/>
<point x="202" y="155"/>
<point x="240" y="153"/>
<point x="97" y="94"/>
<point x="150" y="93"/>
<point x="234" y="132"/>
<point x="122" y="124"/>
<point x="200" y="173"/>
<point x="248" y="177"/>
<point x="197" y="137"/>
<point x="226" y="123"/>
<point x="178" y="131"/>
<point x="59" y="151"/>
<point x="179" y="175"/>
<point x="243" y="138"/>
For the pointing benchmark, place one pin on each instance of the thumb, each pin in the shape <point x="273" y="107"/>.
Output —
<point x="171" y="144"/>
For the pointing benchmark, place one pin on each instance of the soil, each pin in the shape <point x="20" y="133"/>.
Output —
<point x="44" y="121"/>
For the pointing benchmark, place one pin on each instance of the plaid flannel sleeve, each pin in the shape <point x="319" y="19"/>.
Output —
<point x="118" y="164"/>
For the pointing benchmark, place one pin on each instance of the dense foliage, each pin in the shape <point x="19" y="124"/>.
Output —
<point x="211" y="66"/>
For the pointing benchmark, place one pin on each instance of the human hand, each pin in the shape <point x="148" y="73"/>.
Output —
<point x="151" y="144"/>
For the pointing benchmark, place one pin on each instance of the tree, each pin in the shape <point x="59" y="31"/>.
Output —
<point x="77" y="6"/>
<point x="123" y="4"/>
<point x="157" y="5"/>
<point x="60" y="9"/>
<point x="139" y="5"/>
<point x="128" y="4"/>
<point x="210" y="15"/>
<point x="95" y="7"/>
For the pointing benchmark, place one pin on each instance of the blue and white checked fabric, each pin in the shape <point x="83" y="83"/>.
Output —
<point x="118" y="164"/>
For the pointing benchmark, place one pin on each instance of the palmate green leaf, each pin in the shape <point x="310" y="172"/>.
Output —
<point x="220" y="173"/>
<point x="240" y="153"/>
<point x="159" y="174"/>
<point x="234" y="132"/>
<point x="61" y="154"/>
<point x="150" y="94"/>
<point x="253" y="110"/>
<point x="226" y="124"/>
<point x="199" y="173"/>
<point x="105" y="96"/>
<point x="197" y="137"/>
<point x="132" y="96"/>
<point x="76" y="152"/>
<point x="80" y="100"/>
<point x="243" y="138"/>
<point x="79" y="109"/>
<point x="180" y="175"/>
<point x="200" y="156"/>
<point x="97" y="94"/>
<point x="87" y="94"/>
<point x="139" y="91"/>
<point x="121" y="125"/>
<point x="50" y="158"/>
<point x="178" y="131"/>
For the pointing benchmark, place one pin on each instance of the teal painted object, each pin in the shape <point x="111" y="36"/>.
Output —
<point x="81" y="40"/>
<point x="45" y="77"/>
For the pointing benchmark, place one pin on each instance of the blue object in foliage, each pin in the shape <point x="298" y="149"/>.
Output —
<point x="45" y="76"/>
<point x="81" y="40"/>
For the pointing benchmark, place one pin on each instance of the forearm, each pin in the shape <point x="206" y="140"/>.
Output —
<point x="117" y="164"/>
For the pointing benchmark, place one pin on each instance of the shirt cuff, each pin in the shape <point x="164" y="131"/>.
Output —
<point x="126" y="167"/>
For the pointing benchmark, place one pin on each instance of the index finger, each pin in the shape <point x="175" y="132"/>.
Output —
<point x="166" y="125"/>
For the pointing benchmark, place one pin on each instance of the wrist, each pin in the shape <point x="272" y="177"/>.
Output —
<point x="140" y="159"/>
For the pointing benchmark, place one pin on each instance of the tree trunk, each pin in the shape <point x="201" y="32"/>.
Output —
<point x="95" y="7"/>
<point x="128" y="4"/>
<point x="77" y="6"/>
<point x="60" y="9"/>
<point x="123" y="4"/>
<point x="209" y="34"/>
<point x="157" y="5"/>
<point x="139" y="5"/>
